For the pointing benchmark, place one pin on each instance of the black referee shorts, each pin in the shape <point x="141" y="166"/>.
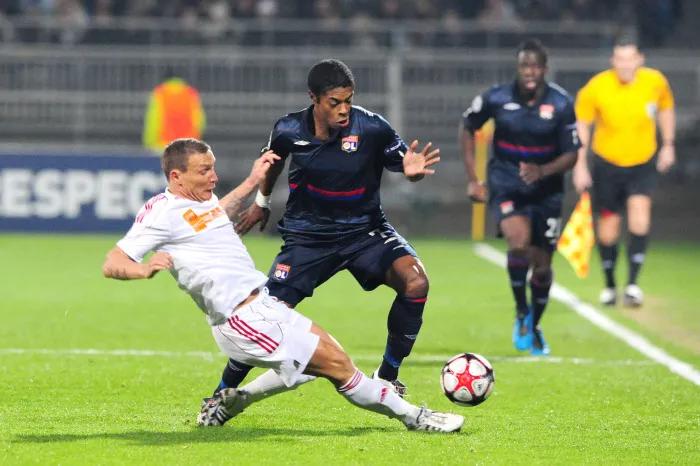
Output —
<point x="612" y="184"/>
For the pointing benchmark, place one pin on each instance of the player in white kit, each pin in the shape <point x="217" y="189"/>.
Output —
<point x="190" y="232"/>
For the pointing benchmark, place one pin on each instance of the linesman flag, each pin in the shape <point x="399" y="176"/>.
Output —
<point x="577" y="240"/>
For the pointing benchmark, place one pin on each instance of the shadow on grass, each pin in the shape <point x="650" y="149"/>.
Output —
<point x="201" y="435"/>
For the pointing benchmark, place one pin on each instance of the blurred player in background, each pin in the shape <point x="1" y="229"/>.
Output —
<point x="191" y="233"/>
<point x="333" y="220"/>
<point x="174" y="111"/>
<point x="624" y="103"/>
<point x="534" y="144"/>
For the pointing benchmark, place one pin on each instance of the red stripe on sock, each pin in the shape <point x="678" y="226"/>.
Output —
<point x="354" y="381"/>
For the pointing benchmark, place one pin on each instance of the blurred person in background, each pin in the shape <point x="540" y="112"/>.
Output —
<point x="624" y="103"/>
<point x="174" y="111"/>
<point x="534" y="144"/>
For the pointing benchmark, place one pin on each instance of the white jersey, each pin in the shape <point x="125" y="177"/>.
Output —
<point x="210" y="262"/>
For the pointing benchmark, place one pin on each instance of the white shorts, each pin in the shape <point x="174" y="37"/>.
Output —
<point x="267" y="333"/>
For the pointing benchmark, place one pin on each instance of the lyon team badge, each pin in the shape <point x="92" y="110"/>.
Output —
<point x="281" y="271"/>
<point x="349" y="144"/>
<point x="546" y="112"/>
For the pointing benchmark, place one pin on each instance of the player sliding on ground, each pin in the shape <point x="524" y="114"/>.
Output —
<point x="191" y="233"/>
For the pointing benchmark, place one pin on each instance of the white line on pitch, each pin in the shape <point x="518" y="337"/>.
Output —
<point x="602" y="321"/>
<point x="209" y="356"/>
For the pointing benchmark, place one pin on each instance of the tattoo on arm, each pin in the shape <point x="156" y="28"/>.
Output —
<point x="233" y="206"/>
<point x="119" y="274"/>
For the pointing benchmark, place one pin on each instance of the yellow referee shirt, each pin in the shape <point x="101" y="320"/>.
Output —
<point x="624" y="114"/>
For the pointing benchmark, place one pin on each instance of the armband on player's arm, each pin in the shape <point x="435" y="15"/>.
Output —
<point x="120" y="266"/>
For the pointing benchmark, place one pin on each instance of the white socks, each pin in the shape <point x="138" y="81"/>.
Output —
<point x="374" y="396"/>
<point x="269" y="384"/>
<point x="361" y="391"/>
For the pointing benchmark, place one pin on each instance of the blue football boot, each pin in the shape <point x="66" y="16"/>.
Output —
<point x="522" y="330"/>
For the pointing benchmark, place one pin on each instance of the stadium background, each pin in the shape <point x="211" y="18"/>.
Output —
<point x="94" y="371"/>
<point x="75" y="78"/>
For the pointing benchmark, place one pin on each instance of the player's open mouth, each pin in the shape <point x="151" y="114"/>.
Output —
<point x="531" y="84"/>
<point x="344" y="123"/>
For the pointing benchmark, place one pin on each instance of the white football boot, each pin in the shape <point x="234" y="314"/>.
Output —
<point x="608" y="297"/>
<point x="433" y="421"/>
<point x="634" y="296"/>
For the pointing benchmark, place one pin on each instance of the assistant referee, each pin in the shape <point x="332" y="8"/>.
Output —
<point x="624" y="103"/>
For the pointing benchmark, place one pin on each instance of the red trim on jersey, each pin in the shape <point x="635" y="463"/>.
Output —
<point x="149" y="206"/>
<point x="324" y="192"/>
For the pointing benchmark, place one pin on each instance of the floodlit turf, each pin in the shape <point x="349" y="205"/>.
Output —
<point x="601" y="403"/>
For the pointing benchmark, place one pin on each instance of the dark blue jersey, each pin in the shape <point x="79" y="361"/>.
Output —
<point x="536" y="133"/>
<point x="334" y="184"/>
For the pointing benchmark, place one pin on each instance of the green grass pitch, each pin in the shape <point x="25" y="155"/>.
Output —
<point x="597" y="401"/>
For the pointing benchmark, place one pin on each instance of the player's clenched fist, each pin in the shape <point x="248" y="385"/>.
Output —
<point x="158" y="261"/>
<point x="476" y="190"/>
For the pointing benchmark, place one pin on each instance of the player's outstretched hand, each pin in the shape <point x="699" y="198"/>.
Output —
<point x="477" y="192"/>
<point x="250" y="217"/>
<point x="666" y="158"/>
<point x="415" y="164"/>
<point x="262" y="165"/>
<point x="157" y="262"/>
<point x="530" y="172"/>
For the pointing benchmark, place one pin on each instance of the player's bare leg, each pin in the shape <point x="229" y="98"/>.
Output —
<point x="540" y="283"/>
<point x="516" y="230"/>
<point x="639" y="222"/>
<point x="331" y="362"/>
<point x="608" y="233"/>
<point x="236" y="400"/>
<point x="408" y="278"/>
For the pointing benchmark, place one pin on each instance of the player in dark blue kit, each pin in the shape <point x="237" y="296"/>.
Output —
<point x="333" y="220"/>
<point x="534" y="144"/>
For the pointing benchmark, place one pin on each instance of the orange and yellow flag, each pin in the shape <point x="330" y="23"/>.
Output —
<point x="577" y="240"/>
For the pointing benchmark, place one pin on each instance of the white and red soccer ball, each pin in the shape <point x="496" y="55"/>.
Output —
<point x="467" y="379"/>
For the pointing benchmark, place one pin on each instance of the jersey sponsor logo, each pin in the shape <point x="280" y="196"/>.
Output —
<point x="511" y="106"/>
<point x="397" y="145"/>
<point x="281" y="271"/>
<point x="200" y="222"/>
<point x="507" y="207"/>
<point x="546" y="111"/>
<point x="349" y="143"/>
<point x="301" y="143"/>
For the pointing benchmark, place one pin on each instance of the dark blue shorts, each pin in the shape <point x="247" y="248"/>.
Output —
<point x="302" y="264"/>
<point x="542" y="209"/>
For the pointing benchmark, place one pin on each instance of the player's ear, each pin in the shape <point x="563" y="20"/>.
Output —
<point x="174" y="175"/>
<point x="312" y="96"/>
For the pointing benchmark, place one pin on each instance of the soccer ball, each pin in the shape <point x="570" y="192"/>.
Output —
<point x="467" y="379"/>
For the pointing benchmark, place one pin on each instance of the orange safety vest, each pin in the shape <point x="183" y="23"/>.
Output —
<point x="174" y="111"/>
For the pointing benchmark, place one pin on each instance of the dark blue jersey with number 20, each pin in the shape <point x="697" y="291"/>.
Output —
<point x="334" y="184"/>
